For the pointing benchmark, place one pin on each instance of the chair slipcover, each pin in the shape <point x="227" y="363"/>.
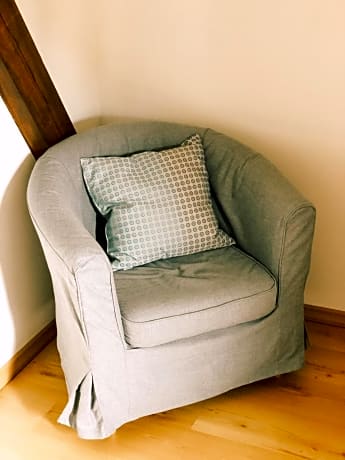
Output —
<point x="136" y="343"/>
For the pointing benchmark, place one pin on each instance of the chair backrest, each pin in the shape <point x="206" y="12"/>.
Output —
<point x="63" y="159"/>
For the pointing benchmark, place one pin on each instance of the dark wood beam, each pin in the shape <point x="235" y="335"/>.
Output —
<point x="26" y="86"/>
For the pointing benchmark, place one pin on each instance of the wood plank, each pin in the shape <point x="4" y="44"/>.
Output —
<point x="26" y="86"/>
<point x="25" y="355"/>
<point x="296" y="416"/>
<point x="293" y="438"/>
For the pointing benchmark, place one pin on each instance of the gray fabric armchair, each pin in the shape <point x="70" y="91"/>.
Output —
<point x="176" y="331"/>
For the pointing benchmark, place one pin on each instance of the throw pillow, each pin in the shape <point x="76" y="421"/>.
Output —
<point x="157" y="204"/>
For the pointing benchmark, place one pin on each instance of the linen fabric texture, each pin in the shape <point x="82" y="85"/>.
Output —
<point x="258" y="334"/>
<point x="193" y="294"/>
<point x="157" y="204"/>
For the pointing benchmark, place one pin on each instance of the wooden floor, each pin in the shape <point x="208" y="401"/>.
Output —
<point x="300" y="415"/>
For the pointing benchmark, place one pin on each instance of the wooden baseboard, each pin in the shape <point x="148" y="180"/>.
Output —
<point x="324" y="315"/>
<point x="27" y="353"/>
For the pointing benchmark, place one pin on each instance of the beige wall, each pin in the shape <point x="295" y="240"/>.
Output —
<point x="65" y="32"/>
<point x="269" y="72"/>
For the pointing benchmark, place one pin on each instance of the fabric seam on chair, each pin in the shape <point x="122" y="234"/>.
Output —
<point x="81" y="260"/>
<point x="89" y="349"/>
<point x="241" y="168"/>
<point x="50" y="245"/>
<point x="119" y="326"/>
<point x="70" y="269"/>
<point x="203" y="309"/>
<point x="286" y="222"/>
<point x="52" y="158"/>
<point x="256" y="261"/>
<point x="81" y="310"/>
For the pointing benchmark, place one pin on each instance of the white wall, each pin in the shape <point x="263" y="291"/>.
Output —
<point x="25" y="290"/>
<point x="65" y="35"/>
<point x="268" y="72"/>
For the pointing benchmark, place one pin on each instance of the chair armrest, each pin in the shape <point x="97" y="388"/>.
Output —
<point x="76" y="261"/>
<point x="270" y="219"/>
<point x="55" y="208"/>
<point x="90" y="335"/>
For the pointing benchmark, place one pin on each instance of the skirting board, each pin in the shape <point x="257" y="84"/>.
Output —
<point x="27" y="353"/>
<point x="312" y="313"/>
<point x="324" y="315"/>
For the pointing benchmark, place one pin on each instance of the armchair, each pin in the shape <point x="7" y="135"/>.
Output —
<point x="176" y="331"/>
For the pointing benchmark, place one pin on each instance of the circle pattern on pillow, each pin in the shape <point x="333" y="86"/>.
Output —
<point x="157" y="204"/>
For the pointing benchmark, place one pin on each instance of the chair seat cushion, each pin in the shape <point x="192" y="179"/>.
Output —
<point x="184" y="296"/>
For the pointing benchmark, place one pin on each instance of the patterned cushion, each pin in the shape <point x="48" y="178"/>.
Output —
<point x="157" y="204"/>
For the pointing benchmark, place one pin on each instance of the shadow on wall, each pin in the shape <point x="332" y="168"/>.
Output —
<point x="25" y="277"/>
<point x="85" y="124"/>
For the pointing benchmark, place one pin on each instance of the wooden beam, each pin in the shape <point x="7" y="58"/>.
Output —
<point x="26" y="86"/>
